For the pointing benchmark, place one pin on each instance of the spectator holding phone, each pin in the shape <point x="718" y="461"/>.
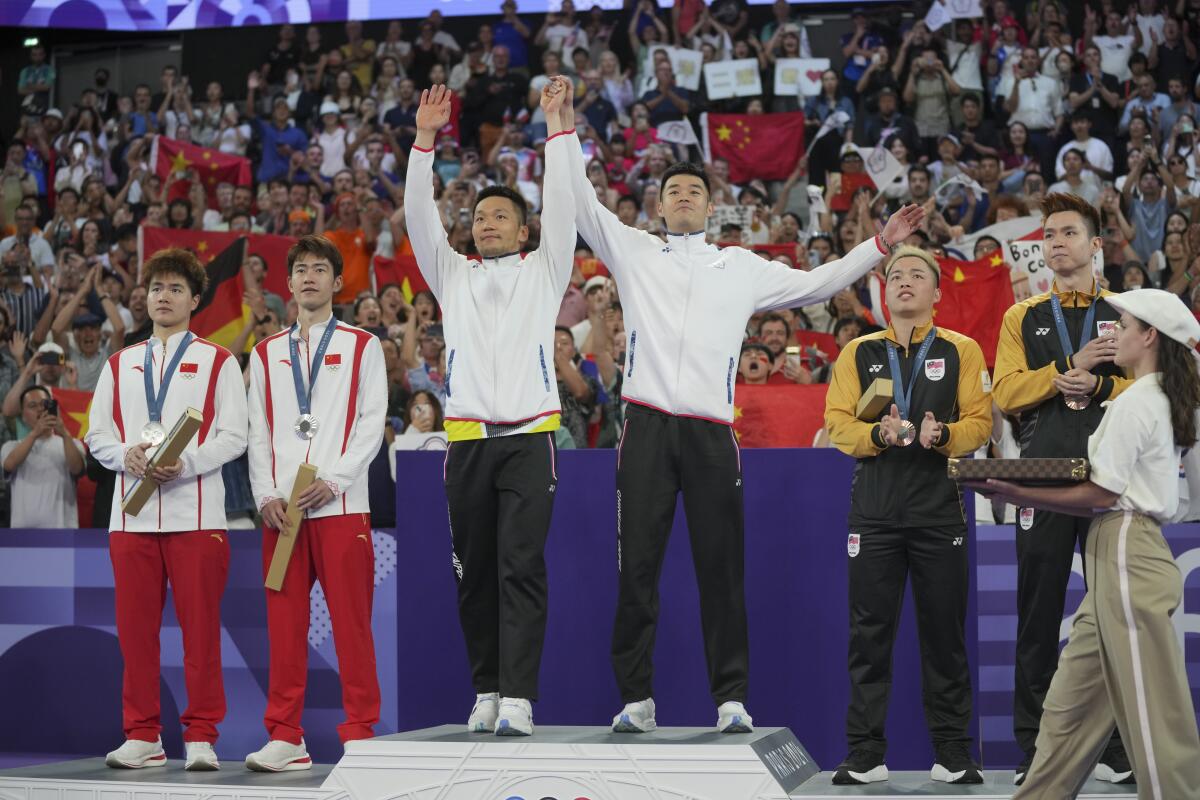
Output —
<point x="42" y="466"/>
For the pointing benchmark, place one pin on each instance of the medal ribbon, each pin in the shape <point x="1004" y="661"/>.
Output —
<point x="155" y="404"/>
<point x="1060" y="324"/>
<point x="303" y="398"/>
<point x="903" y="397"/>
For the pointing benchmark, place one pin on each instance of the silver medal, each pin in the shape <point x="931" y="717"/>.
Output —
<point x="154" y="433"/>
<point x="306" y="426"/>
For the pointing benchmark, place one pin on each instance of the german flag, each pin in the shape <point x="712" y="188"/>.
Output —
<point x="220" y="315"/>
<point x="73" y="407"/>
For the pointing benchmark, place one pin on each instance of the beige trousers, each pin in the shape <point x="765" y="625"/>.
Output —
<point x="1122" y="665"/>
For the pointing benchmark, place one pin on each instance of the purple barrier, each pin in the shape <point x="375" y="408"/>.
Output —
<point x="796" y="507"/>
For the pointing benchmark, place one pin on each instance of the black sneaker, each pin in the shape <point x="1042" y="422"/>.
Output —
<point x="861" y="766"/>
<point x="1023" y="769"/>
<point x="955" y="765"/>
<point x="1114" y="766"/>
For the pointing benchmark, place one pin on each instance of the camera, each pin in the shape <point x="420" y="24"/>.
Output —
<point x="51" y="359"/>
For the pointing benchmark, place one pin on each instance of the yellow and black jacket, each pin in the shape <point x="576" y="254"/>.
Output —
<point x="1029" y="356"/>
<point x="906" y="487"/>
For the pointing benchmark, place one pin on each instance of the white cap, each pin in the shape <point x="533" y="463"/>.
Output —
<point x="329" y="107"/>
<point x="1162" y="310"/>
<point x="593" y="282"/>
<point x="50" y="347"/>
<point x="54" y="112"/>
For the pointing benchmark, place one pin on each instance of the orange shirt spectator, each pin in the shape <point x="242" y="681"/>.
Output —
<point x="356" y="262"/>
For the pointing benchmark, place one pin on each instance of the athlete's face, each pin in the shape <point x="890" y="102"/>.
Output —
<point x="312" y="281"/>
<point x="497" y="228"/>
<point x="170" y="301"/>
<point x="1066" y="245"/>
<point x="911" y="287"/>
<point x="685" y="204"/>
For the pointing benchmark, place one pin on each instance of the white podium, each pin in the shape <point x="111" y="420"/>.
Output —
<point x="566" y="763"/>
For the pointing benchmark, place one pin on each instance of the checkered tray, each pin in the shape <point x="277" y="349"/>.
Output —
<point x="1019" y="470"/>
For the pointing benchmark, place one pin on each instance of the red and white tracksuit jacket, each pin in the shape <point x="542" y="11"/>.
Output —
<point x="349" y="402"/>
<point x="208" y="379"/>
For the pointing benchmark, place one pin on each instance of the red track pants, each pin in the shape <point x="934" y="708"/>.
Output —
<point x="196" y="564"/>
<point x="338" y="552"/>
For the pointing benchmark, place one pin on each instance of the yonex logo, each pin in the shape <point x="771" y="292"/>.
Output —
<point x="958" y="540"/>
<point x="1043" y="331"/>
<point x="875" y="368"/>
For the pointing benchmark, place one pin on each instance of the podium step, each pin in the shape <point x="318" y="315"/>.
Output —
<point x="569" y="763"/>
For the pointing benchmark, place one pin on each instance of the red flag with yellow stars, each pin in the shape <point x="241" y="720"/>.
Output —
<point x="763" y="146"/>
<point x="975" y="295"/>
<point x="221" y="314"/>
<point x="73" y="407"/>
<point x="210" y="166"/>
<point x="779" y="415"/>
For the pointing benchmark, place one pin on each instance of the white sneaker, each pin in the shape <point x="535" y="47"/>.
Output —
<point x="515" y="718"/>
<point x="635" y="717"/>
<point x="135" y="754"/>
<point x="484" y="713"/>
<point x="200" y="757"/>
<point x="279" y="756"/>
<point x="732" y="718"/>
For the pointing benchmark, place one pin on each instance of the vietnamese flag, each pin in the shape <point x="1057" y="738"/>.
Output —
<point x="779" y="415"/>
<point x="402" y="271"/>
<point x="975" y="295"/>
<point x="73" y="407"/>
<point x="168" y="156"/>
<point x="763" y="146"/>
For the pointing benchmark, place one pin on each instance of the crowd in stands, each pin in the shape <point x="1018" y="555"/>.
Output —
<point x="1095" y="98"/>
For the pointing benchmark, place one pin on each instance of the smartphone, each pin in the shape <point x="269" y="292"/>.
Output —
<point x="51" y="405"/>
<point x="50" y="359"/>
<point x="1147" y="141"/>
<point x="793" y="356"/>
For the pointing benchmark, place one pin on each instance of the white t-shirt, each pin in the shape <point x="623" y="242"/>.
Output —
<point x="334" y="145"/>
<point x="966" y="64"/>
<point x="1133" y="452"/>
<point x="569" y="37"/>
<point x="227" y="140"/>
<point x="1089" y="187"/>
<point x="1039" y="101"/>
<point x="1098" y="154"/>
<point x="1146" y="24"/>
<point x="1114" y="55"/>
<point x="43" y="491"/>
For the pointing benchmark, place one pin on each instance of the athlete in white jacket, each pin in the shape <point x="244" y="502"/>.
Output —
<point x="686" y="305"/>
<point x="179" y="537"/>
<point x="317" y="395"/>
<point x="502" y="408"/>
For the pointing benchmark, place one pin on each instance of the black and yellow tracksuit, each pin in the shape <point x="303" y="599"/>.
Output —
<point x="907" y="517"/>
<point x="1028" y="358"/>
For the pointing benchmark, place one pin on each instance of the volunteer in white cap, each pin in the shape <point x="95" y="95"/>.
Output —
<point x="1123" y="663"/>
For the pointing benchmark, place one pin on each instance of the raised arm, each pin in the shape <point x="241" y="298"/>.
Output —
<point x="425" y="230"/>
<point x="558" y="212"/>
<point x="608" y="236"/>
<point x="777" y="286"/>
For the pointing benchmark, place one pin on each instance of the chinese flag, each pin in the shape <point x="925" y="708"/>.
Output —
<point x="73" y="407"/>
<point x="779" y="415"/>
<point x="591" y="267"/>
<point x="975" y="295"/>
<point x="220" y="315"/>
<point x="211" y="166"/>
<point x="402" y="271"/>
<point x="763" y="146"/>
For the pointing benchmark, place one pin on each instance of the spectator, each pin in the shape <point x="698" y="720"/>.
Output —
<point x="1117" y="45"/>
<point x="965" y="54"/>
<point x="1096" y="94"/>
<point x="666" y="102"/>
<point x="513" y="35"/>
<point x="888" y="118"/>
<point x="1097" y="157"/>
<point x="824" y="152"/>
<point x="562" y="33"/>
<point x="578" y="387"/>
<point x="29" y="302"/>
<point x="978" y="134"/>
<point x="1175" y="55"/>
<point x="1148" y="214"/>
<point x="355" y="244"/>
<point x="34" y="244"/>
<point x="857" y="48"/>
<point x="495" y="99"/>
<point x="754" y="365"/>
<point x="395" y="47"/>
<point x="1148" y="103"/>
<point x="358" y="54"/>
<point x="1075" y="180"/>
<point x="1180" y="107"/>
<point x="16" y="181"/>
<point x="84" y="347"/>
<point x="36" y="83"/>
<point x="43" y="466"/>
<point x="279" y="137"/>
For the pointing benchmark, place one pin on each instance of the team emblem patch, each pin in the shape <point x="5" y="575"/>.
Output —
<point x="1026" y="518"/>
<point x="1106" y="327"/>
<point x="333" y="361"/>
<point x="853" y="544"/>
<point x="935" y="368"/>
<point x="188" y="371"/>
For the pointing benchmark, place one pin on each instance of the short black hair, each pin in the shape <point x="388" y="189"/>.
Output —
<point x="564" y="329"/>
<point x="844" y="321"/>
<point x="628" y="198"/>
<point x="318" y="246"/>
<point x="511" y="195"/>
<point x="124" y="231"/>
<point x="685" y="168"/>
<point x="920" y="168"/>
<point x="42" y="389"/>
<point x="176" y="261"/>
